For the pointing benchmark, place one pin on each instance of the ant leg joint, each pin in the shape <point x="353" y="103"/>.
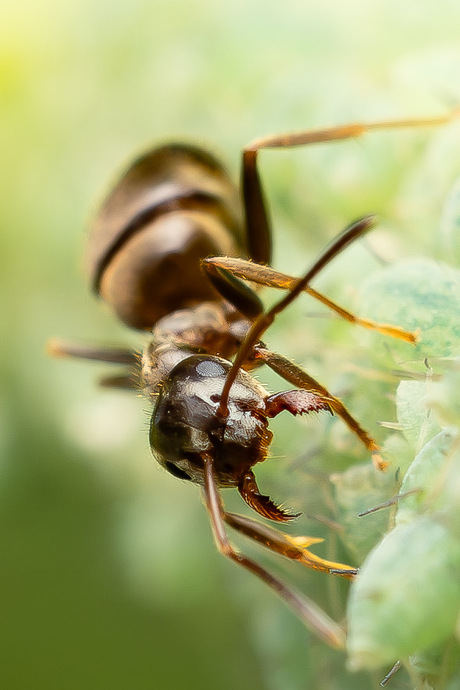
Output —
<point x="296" y="402"/>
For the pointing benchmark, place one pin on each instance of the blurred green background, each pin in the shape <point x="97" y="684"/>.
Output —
<point x="108" y="574"/>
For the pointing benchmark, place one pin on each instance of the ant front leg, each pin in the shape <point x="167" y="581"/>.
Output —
<point x="255" y="208"/>
<point x="298" y="377"/>
<point x="294" y="548"/>
<point x="313" y="617"/>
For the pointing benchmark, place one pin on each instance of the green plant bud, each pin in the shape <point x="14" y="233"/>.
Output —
<point x="407" y="596"/>
<point x="444" y="398"/>
<point x="436" y="663"/>
<point x="398" y="453"/>
<point x="426" y="477"/>
<point x="358" y="489"/>
<point x="417" y="294"/>
<point x="450" y="224"/>
<point x="413" y="412"/>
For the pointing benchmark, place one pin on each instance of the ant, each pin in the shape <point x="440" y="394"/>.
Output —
<point x="165" y="252"/>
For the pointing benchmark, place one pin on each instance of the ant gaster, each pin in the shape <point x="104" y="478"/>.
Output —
<point x="165" y="252"/>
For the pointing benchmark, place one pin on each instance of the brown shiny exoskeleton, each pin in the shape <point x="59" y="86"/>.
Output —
<point x="174" y="251"/>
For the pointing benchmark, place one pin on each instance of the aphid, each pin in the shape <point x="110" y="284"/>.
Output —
<point x="174" y="251"/>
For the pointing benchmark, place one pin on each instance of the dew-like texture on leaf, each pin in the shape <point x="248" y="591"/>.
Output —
<point x="407" y="596"/>
<point x="418" y="294"/>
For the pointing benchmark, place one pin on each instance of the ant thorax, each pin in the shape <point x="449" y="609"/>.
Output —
<point x="204" y="328"/>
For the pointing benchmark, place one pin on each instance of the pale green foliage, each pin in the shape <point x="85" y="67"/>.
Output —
<point x="405" y="604"/>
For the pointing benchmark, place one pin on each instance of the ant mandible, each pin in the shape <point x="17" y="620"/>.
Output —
<point x="165" y="253"/>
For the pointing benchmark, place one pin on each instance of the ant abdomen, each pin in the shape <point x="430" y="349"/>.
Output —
<point x="173" y="207"/>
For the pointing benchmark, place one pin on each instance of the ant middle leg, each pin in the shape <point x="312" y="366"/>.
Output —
<point x="298" y="377"/>
<point x="294" y="548"/>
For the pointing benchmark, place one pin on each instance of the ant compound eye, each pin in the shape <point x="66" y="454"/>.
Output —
<point x="209" y="368"/>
